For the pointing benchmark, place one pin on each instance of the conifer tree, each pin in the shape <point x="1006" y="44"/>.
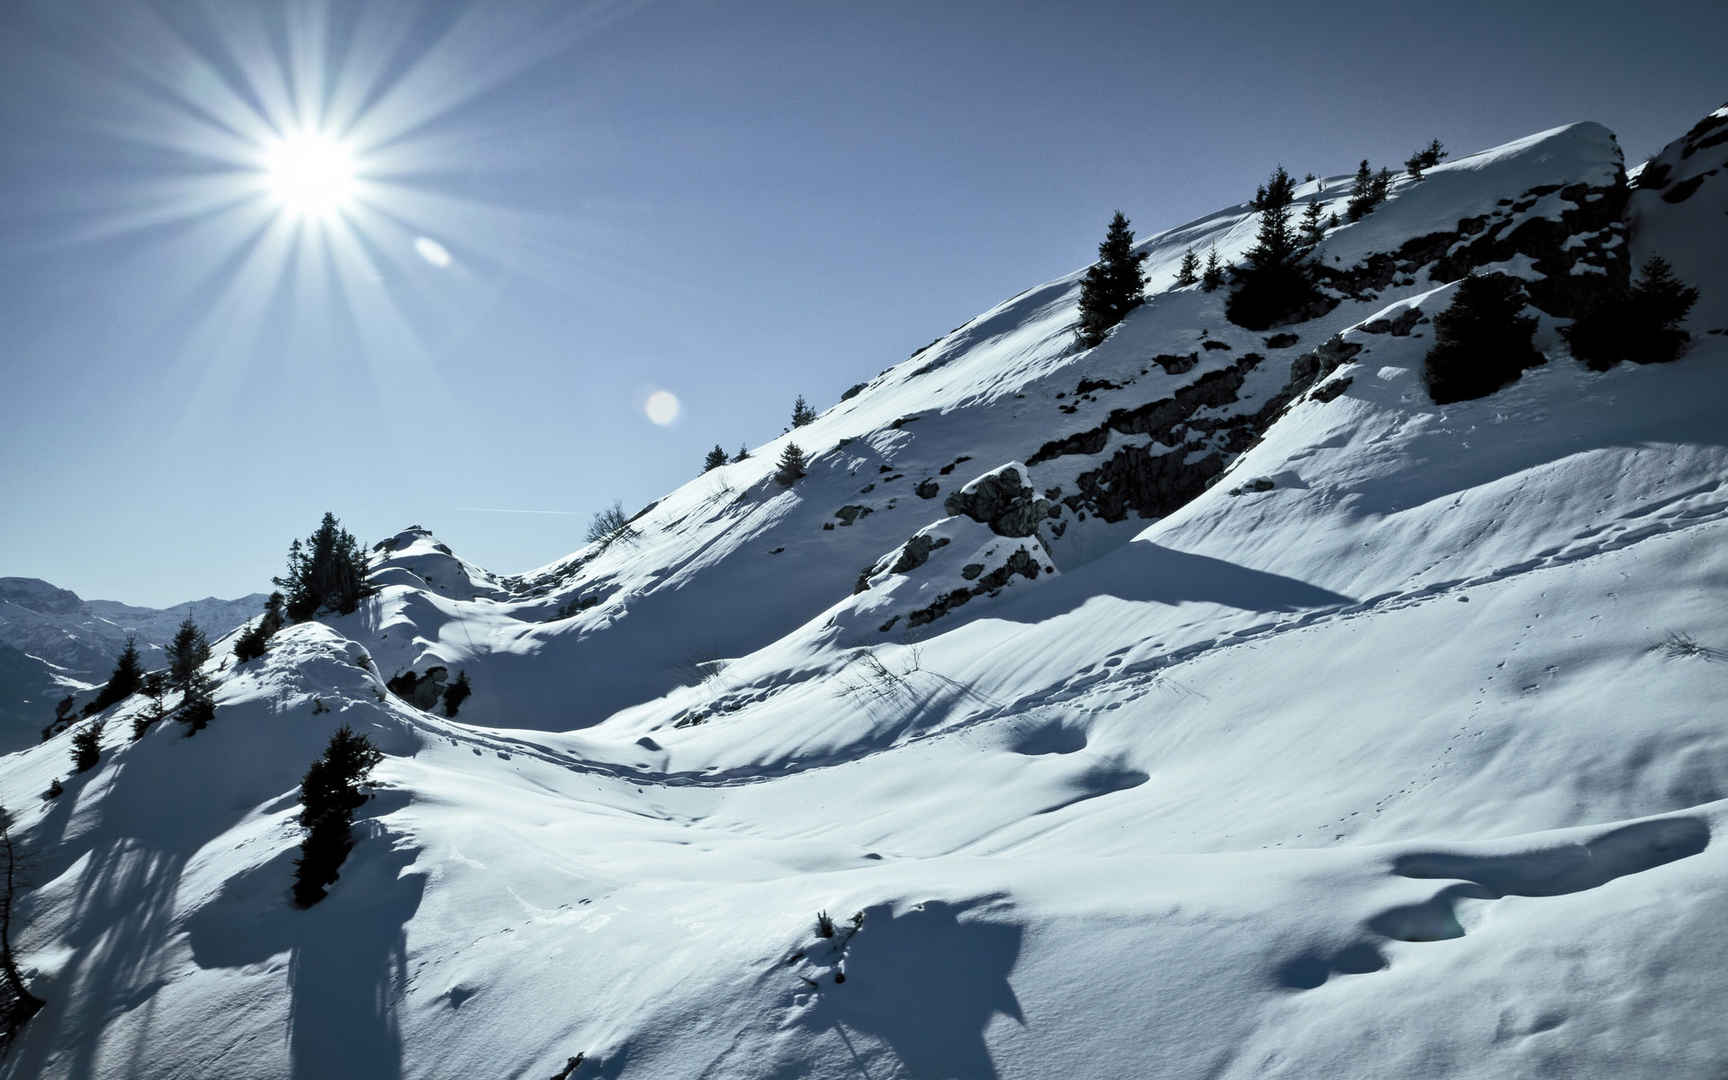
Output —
<point x="1482" y="341"/>
<point x="1276" y="280"/>
<point x="801" y="412"/>
<point x="127" y="677"/>
<point x="1640" y="323"/>
<point x="1276" y="193"/>
<point x="326" y="573"/>
<point x="1432" y="155"/>
<point x="743" y="454"/>
<point x="155" y="688"/>
<point x="252" y="642"/>
<point x="186" y="653"/>
<point x="1189" y="272"/>
<point x="1214" y="274"/>
<point x="456" y="693"/>
<point x="1313" y="229"/>
<point x="1361" y="193"/>
<point x="1114" y="285"/>
<point x="333" y="788"/>
<point x="87" y="746"/>
<point x="716" y="458"/>
<point x="197" y="706"/>
<point x="1380" y="187"/>
<point x="791" y="466"/>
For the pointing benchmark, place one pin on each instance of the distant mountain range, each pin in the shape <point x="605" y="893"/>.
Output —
<point x="54" y="642"/>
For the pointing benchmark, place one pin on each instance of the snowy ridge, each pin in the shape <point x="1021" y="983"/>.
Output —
<point x="1290" y="725"/>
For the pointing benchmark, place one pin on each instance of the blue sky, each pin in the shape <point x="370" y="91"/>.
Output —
<point x="734" y="202"/>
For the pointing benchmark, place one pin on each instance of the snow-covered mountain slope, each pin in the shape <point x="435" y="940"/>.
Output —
<point x="52" y="643"/>
<point x="1205" y="704"/>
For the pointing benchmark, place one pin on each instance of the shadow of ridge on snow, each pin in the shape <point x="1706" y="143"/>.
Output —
<point x="1142" y="571"/>
<point x="925" y="983"/>
<point x="1570" y="868"/>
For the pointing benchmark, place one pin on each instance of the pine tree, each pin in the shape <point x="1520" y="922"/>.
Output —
<point x="87" y="746"/>
<point x="1275" y="194"/>
<point x="802" y="413"/>
<point x="1277" y="280"/>
<point x="186" y="653"/>
<point x="716" y="458"/>
<point x="1313" y="229"/>
<point x="1640" y="323"/>
<point x="197" y="707"/>
<point x="1482" y="341"/>
<point x="1361" y="193"/>
<point x="127" y="677"/>
<point x="1189" y="272"/>
<point x="155" y="688"/>
<point x="327" y="573"/>
<point x="1380" y="186"/>
<point x="1432" y="155"/>
<point x="456" y="693"/>
<point x="792" y="466"/>
<point x="251" y="643"/>
<point x="333" y="788"/>
<point x="1114" y="285"/>
<point x="743" y="454"/>
<point x="1214" y="274"/>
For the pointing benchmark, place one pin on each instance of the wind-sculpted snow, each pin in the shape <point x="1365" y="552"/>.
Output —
<point x="1207" y="704"/>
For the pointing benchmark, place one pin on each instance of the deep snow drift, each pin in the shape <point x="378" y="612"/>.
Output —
<point x="1205" y="704"/>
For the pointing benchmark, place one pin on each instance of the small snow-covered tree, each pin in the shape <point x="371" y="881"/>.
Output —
<point x="127" y="677"/>
<point x="1114" y="285"/>
<point x="1213" y="276"/>
<point x="333" y="788"/>
<point x="716" y="458"/>
<point x="1189" y="272"/>
<point x="802" y="413"/>
<point x="792" y="467"/>
<point x="1361" y="193"/>
<point x="1276" y="193"/>
<point x="1482" y="341"/>
<point x="186" y="653"/>
<point x="1312" y="227"/>
<point x="87" y="746"/>
<point x="197" y="705"/>
<point x="1275" y="280"/>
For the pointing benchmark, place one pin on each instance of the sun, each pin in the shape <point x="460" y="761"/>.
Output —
<point x="310" y="174"/>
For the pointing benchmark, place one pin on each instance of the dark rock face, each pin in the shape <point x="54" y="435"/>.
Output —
<point x="1332" y="389"/>
<point x="928" y="489"/>
<point x="1316" y="364"/>
<point x="1019" y="564"/>
<point x="1281" y="341"/>
<point x="1000" y="500"/>
<point x="1176" y="365"/>
<point x="420" y="691"/>
<point x="849" y="514"/>
<point x="1398" y="326"/>
<point x="1157" y="418"/>
<point x="1135" y="478"/>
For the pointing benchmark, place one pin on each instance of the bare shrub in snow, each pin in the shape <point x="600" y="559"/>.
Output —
<point x="611" y="526"/>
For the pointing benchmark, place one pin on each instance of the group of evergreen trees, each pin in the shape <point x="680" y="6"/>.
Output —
<point x="1426" y="158"/>
<point x="1640" y="323"/>
<point x="1368" y="191"/>
<point x="333" y="788"/>
<point x="250" y="645"/>
<point x="1276" y="279"/>
<point x="802" y="414"/>
<point x="326" y="573"/>
<point x="1482" y="341"/>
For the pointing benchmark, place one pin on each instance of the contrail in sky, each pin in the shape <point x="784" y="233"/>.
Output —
<point x="510" y="510"/>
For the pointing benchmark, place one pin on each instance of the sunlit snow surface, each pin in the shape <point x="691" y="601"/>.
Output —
<point x="1385" y="771"/>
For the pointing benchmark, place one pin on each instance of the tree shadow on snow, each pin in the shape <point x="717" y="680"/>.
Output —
<point x="347" y="954"/>
<point x="924" y="984"/>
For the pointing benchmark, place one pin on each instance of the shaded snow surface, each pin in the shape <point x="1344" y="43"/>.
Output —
<point x="1399" y="750"/>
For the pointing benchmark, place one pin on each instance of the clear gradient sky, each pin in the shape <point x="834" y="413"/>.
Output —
<point x="564" y="206"/>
